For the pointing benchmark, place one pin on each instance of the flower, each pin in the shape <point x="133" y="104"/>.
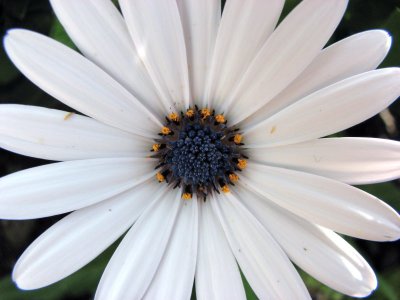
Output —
<point x="246" y="108"/>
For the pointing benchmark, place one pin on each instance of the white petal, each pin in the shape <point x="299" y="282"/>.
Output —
<point x="77" y="239"/>
<point x="59" y="135"/>
<point x="265" y="266"/>
<point x="327" y="111"/>
<point x="135" y="262"/>
<point x="200" y="21"/>
<point x="217" y="274"/>
<point x="326" y="202"/>
<point x="63" y="187"/>
<point x="76" y="81"/>
<point x="179" y="260"/>
<point x="350" y="160"/>
<point x="318" y="251"/>
<point x="243" y="31"/>
<point x="289" y="50"/>
<point x="156" y="29"/>
<point x="99" y="31"/>
<point x="356" y="54"/>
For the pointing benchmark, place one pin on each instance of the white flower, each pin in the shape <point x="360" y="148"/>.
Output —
<point x="277" y="86"/>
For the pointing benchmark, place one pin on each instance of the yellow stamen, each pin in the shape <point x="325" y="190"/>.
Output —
<point x="160" y="177"/>
<point x="186" y="196"/>
<point x="165" y="130"/>
<point x="205" y="112"/>
<point x="237" y="138"/>
<point x="220" y="119"/>
<point x="233" y="177"/>
<point x="156" y="147"/>
<point x="225" y="189"/>
<point x="190" y="113"/>
<point x="242" y="163"/>
<point x="173" y="117"/>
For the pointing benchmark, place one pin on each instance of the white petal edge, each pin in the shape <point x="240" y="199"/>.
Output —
<point x="354" y="55"/>
<point x="350" y="160"/>
<point x="66" y="186"/>
<point x="141" y="251"/>
<point x="156" y="29"/>
<point x="99" y="31"/>
<point x="200" y="21"/>
<point x="318" y="251"/>
<point x="217" y="273"/>
<point x="264" y="264"/>
<point x="179" y="259"/>
<point x="329" y="110"/>
<point x="77" y="82"/>
<point x="326" y="202"/>
<point x="291" y="48"/>
<point x="81" y="236"/>
<point x="242" y="32"/>
<point x="59" y="135"/>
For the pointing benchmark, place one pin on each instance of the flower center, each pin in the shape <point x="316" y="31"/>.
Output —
<point x="199" y="152"/>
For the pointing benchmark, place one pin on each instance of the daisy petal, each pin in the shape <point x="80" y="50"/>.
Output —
<point x="200" y="21"/>
<point x="179" y="260"/>
<point x="99" y="225"/>
<point x="350" y="160"/>
<point x="282" y="59"/>
<point x="76" y="81"/>
<point x="99" y="31"/>
<point x="63" y="187"/>
<point x="217" y="274"/>
<point x="264" y="264"/>
<point x="318" y="251"/>
<point x="327" y="111"/>
<point x="326" y="202"/>
<point x="243" y="31"/>
<point x="156" y="29"/>
<point x="141" y="251"/>
<point x="59" y="135"/>
<point x="354" y="55"/>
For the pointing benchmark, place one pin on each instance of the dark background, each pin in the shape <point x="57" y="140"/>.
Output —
<point x="15" y="236"/>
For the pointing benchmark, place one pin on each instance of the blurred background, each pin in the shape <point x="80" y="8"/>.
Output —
<point x="15" y="236"/>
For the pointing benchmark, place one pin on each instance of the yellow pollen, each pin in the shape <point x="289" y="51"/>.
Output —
<point x="190" y="113"/>
<point x="186" y="196"/>
<point x="165" y="130"/>
<point x="156" y="147"/>
<point x="160" y="177"/>
<point x="220" y="118"/>
<point x="233" y="177"/>
<point x="205" y="112"/>
<point x="237" y="138"/>
<point x="225" y="189"/>
<point x="173" y="117"/>
<point x="242" y="163"/>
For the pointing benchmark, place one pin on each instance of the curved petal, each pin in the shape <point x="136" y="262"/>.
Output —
<point x="179" y="260"/>
<point x="66" y="186"/>
<point x="350" y="160"/>
<point x="326" y="202"/>
<point x="327" y="111"/>
<point x="99" y="31"/>
<point x="354" y="55"/>
<point x="76" y="81"/>
<point x="59" y="135"/>
<point x="217" y="273"/>
<point x="243" y="31"/>
<point x="200" y="21"/>
<point x="264" y="264"/>
<point x="85" y="234"/>
<point x="290" y="49"/>
<point x="318" y="251"/>
<point x="156" y="29"/>
<point x="141" y="251"/>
